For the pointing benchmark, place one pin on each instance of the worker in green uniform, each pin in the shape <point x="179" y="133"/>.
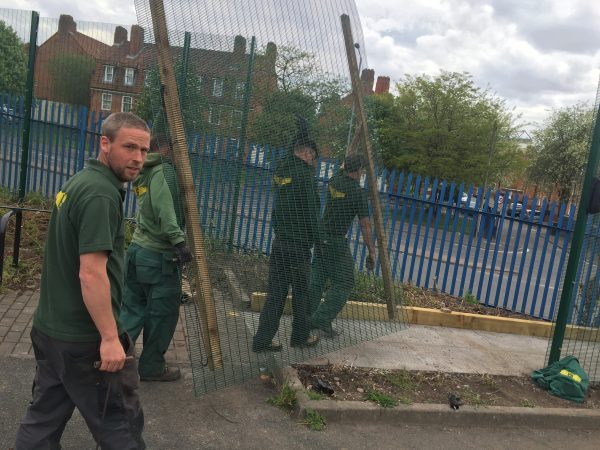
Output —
<point x="84" y="357"/>
<point x="153" y="263"/>
<point x="333" y="260"/>
<point x="295" y="220"/>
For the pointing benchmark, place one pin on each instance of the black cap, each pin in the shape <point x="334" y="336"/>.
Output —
<point x="302" y="137"/>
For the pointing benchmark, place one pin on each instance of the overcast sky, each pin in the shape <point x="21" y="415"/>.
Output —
<point x="536" y="54"/>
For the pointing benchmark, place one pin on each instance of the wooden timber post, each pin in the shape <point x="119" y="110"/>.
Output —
<point x="363" y="129"/>
<point x="199" y="268"/>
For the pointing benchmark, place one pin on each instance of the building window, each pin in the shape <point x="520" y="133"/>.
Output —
<point x="236" y="119"/>
<point x="109" y="74"/>
<point x="147" y="78"/>
<point x="240" y="90"/>
<point x="214" y="115"/>
<point x="128" y="80"/>
<point x="217" y="90"/>
<point x="126" y="103"/>
<point x="106" y="101"/>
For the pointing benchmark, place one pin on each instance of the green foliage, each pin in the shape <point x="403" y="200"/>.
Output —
<point x="276" y="124"/>
<point x="193" y="102"/>
<point x="13" y="61"/>
<point x="525" y="403"/>
<point x="402" y="380"/>
<point x="315" y="395"/>
<point x="71" y="75"/>
<point x="382" y="399"/>
<point x="559" y="150"/>
<point x="285" y="399"/>
<point x="441" y="127"/>
<point x="314" y="420"/>
<point x="470" y="298"/>
<point x="303" y="89"/>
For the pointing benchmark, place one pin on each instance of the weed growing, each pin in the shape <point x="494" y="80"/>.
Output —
<point x="285" y="399"/>
<point x="382" y="399"/>
<point x="314" y="420"/>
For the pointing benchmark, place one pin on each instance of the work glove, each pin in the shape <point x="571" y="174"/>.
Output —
<point x="183" y="254"/>
<point x="370" y="262"/>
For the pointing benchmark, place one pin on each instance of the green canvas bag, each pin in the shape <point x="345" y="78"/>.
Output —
<point x="565" y="379"/>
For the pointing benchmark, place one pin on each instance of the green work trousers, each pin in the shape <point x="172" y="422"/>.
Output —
<point x="332" y="261"/>
<point x="151" y="302"/>
<point x="289" y="265"/>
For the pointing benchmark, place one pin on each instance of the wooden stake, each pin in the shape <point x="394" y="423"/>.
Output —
<point x="206" y="306"/>
<point x="361" y="117"/>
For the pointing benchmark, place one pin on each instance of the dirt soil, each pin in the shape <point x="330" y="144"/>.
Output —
<point x="250" y="269"/>
<point x="408" y="387"/>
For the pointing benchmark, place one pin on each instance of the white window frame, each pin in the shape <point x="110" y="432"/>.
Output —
<point x="123" y="103"/>
<point x="129" y="78"/>
<point x="240" y="90"/>
<point x="211" y="114"/>
<point x="217" y="87"/>
<point x="109" y="74"/>
<point x="106" y="99"/>
<point x="236" y="118"/>
<point x="147" y="78"/>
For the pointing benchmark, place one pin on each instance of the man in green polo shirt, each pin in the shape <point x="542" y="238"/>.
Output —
<point x="295" y="220"/>
<point x="333" y="260"/>
<point x="153" y="265"/>
<point x="85" y="359"/>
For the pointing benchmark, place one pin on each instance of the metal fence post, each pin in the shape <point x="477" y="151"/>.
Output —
<point x="35" y="21"/>
<point x="242" y="145"/>
<point x="575" y="254"/>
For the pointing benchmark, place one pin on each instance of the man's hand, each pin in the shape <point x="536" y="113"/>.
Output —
<point x="112" y="355"/>
<point x="370" y="262"/>
<point x="182" y="253"/>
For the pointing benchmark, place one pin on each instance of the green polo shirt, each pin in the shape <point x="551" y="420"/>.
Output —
<point x="87" y="217"/>
<point x="296" y="213"/>
<point x="345" y="199"/>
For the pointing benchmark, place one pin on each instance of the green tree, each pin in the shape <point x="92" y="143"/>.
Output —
<point x="442" y="127"/>
<point x="71" y="75"/>
<point x="559" y="150"/>
<point x="193" y="101"/>
<point x="276" y="125"/>
<point x="13" y="61"/>
<point x="305" y="89"/>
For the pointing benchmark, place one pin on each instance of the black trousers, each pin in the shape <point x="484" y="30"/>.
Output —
<point x="65" y="378"/>
<point x="289" y="264"/>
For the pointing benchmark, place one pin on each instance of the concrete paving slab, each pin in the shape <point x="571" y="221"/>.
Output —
<point x="446" y="349"/>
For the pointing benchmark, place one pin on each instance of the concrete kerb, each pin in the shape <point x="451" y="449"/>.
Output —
<point x="349" y="412"/>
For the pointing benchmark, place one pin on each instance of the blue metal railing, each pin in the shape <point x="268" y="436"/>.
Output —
<point x="502" y="254"/>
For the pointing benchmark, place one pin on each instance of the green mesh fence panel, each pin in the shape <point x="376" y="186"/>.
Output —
<point x="262" y="85"/>
<point x="582" y="335"/>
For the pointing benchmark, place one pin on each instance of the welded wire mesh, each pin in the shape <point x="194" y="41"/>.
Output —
<point x="264" y="89"/>
<point x="582" y="335"/>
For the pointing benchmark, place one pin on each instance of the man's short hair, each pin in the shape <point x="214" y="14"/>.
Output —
<point x="354" y="162"/>
<point x="113" y="123"/>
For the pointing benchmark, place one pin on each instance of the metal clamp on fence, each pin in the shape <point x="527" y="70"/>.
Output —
<point x="18" y="213"/>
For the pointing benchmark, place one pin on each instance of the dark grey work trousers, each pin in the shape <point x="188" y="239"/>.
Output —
<point x="289" y="264"/>
<point x="65" y="378"/>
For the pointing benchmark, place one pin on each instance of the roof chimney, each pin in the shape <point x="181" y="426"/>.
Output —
<point x="120" y="36"/>
<point x="239" y="45"/>
<point x="368" y="78"/>
<point x="137" y="39"/>
<point x="383" y="85"/>
<point x="66" y="24"/>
